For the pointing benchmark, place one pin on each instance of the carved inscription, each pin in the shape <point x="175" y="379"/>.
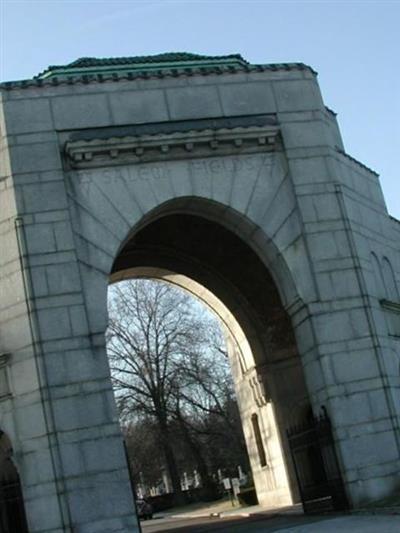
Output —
<point x="221" y="165"/>
<point x="210" y="167"/>
<point x="88" y="178"/>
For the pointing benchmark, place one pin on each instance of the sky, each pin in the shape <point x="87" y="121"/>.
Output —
<point x="353" y="45"/>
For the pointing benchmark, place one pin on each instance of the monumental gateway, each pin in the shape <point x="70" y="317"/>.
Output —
<point x="230" y="180"/>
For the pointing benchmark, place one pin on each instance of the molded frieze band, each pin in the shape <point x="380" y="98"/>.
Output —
<point x="178" y="145"/>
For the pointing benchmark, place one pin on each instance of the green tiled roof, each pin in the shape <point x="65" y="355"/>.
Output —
<point x="109" y="65"/>
<point x="169" y="65"/>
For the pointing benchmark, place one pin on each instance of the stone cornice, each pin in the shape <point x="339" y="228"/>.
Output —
<point x="156" y="74"/>
<point x="165" y="146"/>
<point x="350" y="158"/>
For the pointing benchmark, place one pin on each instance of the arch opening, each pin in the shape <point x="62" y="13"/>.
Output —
<point x="232" y="328"/>
<point x="213" y="263"/>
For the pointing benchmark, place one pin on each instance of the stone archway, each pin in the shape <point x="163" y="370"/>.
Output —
<point x="212" y="262"/>
<point x="91" y="153"/>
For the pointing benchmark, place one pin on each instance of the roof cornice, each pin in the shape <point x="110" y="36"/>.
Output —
<point x="170" y="72"/>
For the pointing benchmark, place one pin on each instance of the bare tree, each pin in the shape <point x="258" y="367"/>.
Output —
<point x="151" y="331"/>
<point x="168" y="365"/>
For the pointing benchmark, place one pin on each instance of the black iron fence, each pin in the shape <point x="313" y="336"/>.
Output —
<point x="316" y="465"/>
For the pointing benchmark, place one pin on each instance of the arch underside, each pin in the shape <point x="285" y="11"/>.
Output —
<point x="217" y="266"/>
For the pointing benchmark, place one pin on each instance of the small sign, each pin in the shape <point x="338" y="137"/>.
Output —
<point x="235" y="485"/>
<point x="227" y="483"/>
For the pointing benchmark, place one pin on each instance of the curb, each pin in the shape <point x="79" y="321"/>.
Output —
<point x="200" y="515"/>
<point x="224" y="514"/>
<point x="238" y="513"/>
<point x="380" y="511"/>
<point x="244" y="514"/>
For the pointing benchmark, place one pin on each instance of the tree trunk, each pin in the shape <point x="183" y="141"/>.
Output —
<point x="171" y="463"/>
<point x="207" y="482"/>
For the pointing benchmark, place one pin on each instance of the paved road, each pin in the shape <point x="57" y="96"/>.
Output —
<point x="252" y="524"/>
<point x="269" y="523"/>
